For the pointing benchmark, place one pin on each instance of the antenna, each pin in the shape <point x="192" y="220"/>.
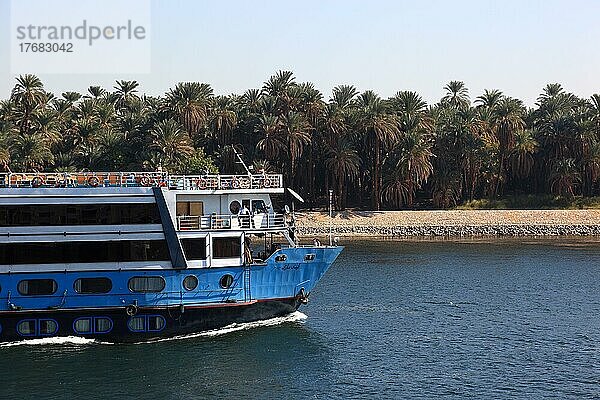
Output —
<point x="240" y="160"/>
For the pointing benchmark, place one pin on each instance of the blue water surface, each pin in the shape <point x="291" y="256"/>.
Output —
<point x="473" y="318"/>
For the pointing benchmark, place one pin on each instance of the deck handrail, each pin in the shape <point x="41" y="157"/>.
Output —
<point x="230" y="221"/>
<point x="209" y="182"/>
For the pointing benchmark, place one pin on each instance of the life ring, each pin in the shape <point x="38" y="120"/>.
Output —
<point x="37" y="182"/>
<point x="93" y="181"/>
<point x="201" y="184"/>
<point x="267" y="183"/>
<point x="131" y="310"/>
<point x="244" y="183"/>
<point x="235" y="183"/>
<point x="145" y="181"/>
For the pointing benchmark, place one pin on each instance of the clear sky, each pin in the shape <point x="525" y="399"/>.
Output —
<point x="517" y="46"/>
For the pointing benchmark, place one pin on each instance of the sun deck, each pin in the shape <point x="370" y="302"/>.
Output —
<point x="141" y="179"/>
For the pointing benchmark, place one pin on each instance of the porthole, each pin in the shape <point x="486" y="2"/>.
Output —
<point x="89" y="325"/>
<point x="83" y="325"/>
<point x="37" y="327"/>
<point x="48" y="327"/>
<point x="102" y="325"/>
<point x="190" y="282"/>
<point x="26" y="327"/>
<point x="234" y="207"/>
<point x="156" y="323"/>
<point x="146" y="323"/>
<point x="92" y="285"/>
<point x="146" y="284"/>
<point x="37" y="287"/>
<point x="137" y="323"/>
<point x="226" y="281"/>
<point x="280" y="258"/>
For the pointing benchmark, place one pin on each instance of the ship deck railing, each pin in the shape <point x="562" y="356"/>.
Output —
<point x="140" y="179"/>
<point x="231" y="222"/>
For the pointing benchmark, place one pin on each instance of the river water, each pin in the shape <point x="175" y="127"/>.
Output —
<point x="496" y="318"/>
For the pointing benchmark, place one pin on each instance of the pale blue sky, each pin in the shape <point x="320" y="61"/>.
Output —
<point x="517" y="46"/>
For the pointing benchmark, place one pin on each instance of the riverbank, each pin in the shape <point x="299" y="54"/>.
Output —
<point x="452" y="223"/>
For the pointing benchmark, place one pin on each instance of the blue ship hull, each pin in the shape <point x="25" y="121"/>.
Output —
<point x="258" y="291"/>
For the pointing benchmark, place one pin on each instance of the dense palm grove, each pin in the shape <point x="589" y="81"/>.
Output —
<point x="375" y="153"/>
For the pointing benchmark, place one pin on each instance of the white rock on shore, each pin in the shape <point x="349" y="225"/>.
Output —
<point x="453" y="223"/>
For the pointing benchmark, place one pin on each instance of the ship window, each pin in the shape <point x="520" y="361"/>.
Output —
<point x="309" y="257"/>
<point x="26" y="327"/>
<point x="48" y="327"/>
<point x="259" y="206"/>
<point x="89" y="325"/>
<point x="194" y="249"/>
<point x="92" y="285"/>
<point x="281" y="258"/>
<point x="37" y="287"/>
<point x="146" y="284"/>
<point x="226" y="247"/>
<point x="102" y="325"/>
<point x="156" y="323"/>
<point x="226" y="281"/>
<point x="79" y="214"/>
<point x="83" y="252"/>
<point x="234" y="207"/>
<point x="137" y="323"/>
<point x="83" y="325"/>
<point x="147" y="323"/>
<point x="37" y="327"/>
<point x="190" y="282"/>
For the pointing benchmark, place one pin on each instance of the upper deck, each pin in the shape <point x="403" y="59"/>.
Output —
<point x="272" y="183"/>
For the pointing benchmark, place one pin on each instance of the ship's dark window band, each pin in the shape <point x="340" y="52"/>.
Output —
<point x="226" y="247"/>
<point x="37" y="327"/>
<point x="92" y="325"/>
<point x="37" y="287"/>
<point x="146" y="323"/>
<point x="146" y="284"/>
<point x="92" y="285"/>
<point x="194" y="249"/>
<point x="83" y="252"/>
<point x="78" y="214"/>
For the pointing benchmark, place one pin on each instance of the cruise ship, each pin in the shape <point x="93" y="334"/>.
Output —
<point x="135" y="256"/>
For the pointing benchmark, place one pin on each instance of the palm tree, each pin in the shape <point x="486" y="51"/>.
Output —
<point x="343" y="162"/>
<point x="272" y="143"/>
<point x="171" y="143"/>
<point x="190" y="103"/>
<point x="30" y="152"/>
<point x="489" y="99"/>
<point x="380" y="130"/>
<point x="508" y="120"/>
<point x="27" y="95"/>
<point x="126" y="93"/>
<point x="564" y="177"/>
<point x="457" y="95"/>
<point x="521" y="156"/>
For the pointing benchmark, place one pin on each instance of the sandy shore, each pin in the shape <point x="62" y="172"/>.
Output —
<point x="453" y="223"/>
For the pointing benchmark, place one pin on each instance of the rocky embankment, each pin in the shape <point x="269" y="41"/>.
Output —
<point x="452" y="223"/>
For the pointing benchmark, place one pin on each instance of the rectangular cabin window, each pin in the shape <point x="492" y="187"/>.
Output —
<point x="78" y="214"/>
<point x="259" y="206"/>
<point x="226" y="247"/>
<point x="83" y="252"/>
<point x="194" y="249"/>
<point x="187" y="208"/>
